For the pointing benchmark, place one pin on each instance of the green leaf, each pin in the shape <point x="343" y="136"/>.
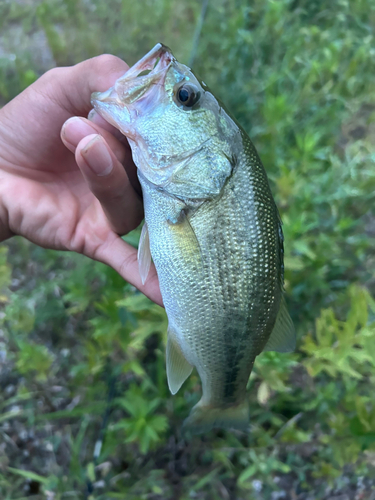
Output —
<point x="10" y="414"/>
<point x="29" y="475"/>
<point x="247" y="473"/>
<point x="208" y="478"/>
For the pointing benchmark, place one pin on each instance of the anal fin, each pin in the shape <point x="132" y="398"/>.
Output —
<point x="178" y="369"/>
<point x="283" y="336"/>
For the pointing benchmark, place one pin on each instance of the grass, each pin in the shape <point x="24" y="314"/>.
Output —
<point x="80" y="347"/>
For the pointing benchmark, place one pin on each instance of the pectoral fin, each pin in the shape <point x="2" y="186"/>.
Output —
<point x="283" y="336"/>
<point x="178" y="369"/>
<point x="144" y="254"/>
<point x="187" y="240"/>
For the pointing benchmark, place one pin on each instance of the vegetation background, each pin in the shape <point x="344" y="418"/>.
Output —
<point x="82" y="353"/>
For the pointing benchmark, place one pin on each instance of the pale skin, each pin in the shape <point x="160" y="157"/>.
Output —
<point x="66" y="182"/>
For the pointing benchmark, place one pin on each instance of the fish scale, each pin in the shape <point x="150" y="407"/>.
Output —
<point x="224" y="298"/>
<point x="214" y="233"/>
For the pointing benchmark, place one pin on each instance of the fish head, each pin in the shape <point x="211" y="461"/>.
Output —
<point x="170" y="118"/>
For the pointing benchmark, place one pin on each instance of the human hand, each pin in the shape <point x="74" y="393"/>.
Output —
<point x="57" y="200"/>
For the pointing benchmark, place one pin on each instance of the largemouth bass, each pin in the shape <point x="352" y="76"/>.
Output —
<point x="212" y="229"/>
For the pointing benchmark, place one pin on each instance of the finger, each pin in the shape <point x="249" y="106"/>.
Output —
<point x="122" y="257"/>
<point x="110" y="183"/>
<point x="76" y="128"/>
<point x="92" y="75"/>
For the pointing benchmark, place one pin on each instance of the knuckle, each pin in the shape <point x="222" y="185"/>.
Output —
<point x="54" y="74"/>
<point x="113" y="197"/>
<point x="109" y="191"/>
<point x="129" y="262"/>
<point x="119" y="191"/>
<point x="109" y="63"/>
<point x="50" y="85"/>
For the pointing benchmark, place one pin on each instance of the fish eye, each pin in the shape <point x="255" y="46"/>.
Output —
<point x="188" y="95"/>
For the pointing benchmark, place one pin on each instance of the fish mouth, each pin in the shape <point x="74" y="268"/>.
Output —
<point x="158" y="59"/>
<point x="133" y="85"/>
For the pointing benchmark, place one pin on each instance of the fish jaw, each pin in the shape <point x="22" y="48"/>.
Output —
<point x="116" y="105"/>
<point x="108" y="105"/>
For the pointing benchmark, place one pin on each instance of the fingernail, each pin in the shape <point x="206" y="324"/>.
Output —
<point x="98" y="157"/>
<point x="76" y="129"/>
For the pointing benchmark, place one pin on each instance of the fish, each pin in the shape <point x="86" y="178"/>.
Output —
<point x="211" y="228"/>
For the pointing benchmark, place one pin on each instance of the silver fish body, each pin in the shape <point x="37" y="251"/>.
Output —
<point x="214" y="233"/>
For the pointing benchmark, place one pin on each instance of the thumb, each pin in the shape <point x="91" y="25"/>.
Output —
<point x="78" y="82"/>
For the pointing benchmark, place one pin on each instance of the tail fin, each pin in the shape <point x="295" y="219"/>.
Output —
<point x="203" y="418"/>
